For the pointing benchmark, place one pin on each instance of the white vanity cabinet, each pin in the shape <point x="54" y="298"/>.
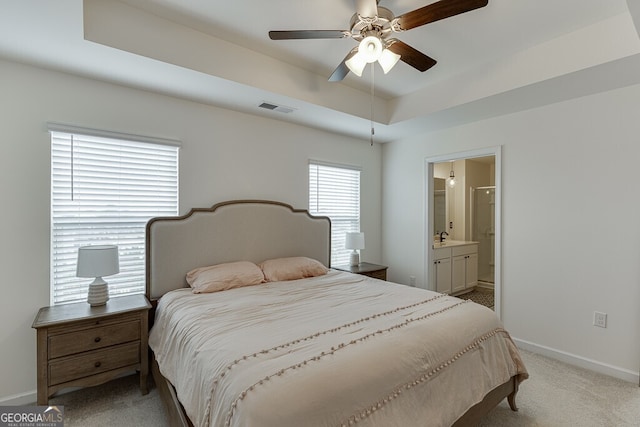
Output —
<point x="464" y="267"/>
<point x="455" y="266"/>
<point x="442" y="269"/>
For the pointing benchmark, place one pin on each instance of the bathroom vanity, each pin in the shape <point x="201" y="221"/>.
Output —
<point x="455" y="266"/>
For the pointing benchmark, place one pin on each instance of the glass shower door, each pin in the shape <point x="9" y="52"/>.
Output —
<point x="484" y="231"/>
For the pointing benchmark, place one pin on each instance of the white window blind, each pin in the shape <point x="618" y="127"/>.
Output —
<point x="103" y="191"/>
<point x="334" y="191"/>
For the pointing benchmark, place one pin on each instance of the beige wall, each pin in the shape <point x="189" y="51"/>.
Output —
<point x="225" y="155"/>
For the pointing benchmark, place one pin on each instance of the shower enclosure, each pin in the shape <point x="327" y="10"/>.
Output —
<point x="483" y="231"/>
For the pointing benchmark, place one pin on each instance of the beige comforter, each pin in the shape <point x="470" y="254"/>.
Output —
<point x="333" y="350"/>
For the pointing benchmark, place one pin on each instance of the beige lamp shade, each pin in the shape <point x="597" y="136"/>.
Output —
<point x="98" y="261"/>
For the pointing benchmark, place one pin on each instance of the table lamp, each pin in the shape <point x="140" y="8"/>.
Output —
<point x="355" y="241"/>
<point x="98" y="261"/>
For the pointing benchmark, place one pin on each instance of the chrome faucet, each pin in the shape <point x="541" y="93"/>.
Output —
<point x="442" y="237"/>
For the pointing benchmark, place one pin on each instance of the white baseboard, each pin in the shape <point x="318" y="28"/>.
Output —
<point x="30" y="397"/>
<point x="485" y="285"/>
<point x="582" y="362"/>
<point x="23" y="399"/>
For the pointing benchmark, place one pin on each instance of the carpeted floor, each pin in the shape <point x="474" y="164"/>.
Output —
<point x="116" y="403"/>
<point x="556" y="395"/>
<point x="559" y="395"/>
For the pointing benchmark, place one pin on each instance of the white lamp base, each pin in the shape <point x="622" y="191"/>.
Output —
<point x="98" y="292"/>
<point x="354" y="259"/>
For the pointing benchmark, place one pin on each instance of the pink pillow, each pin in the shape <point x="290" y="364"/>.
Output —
<point x="292" y="268"/>
<point x="221" y="277"/>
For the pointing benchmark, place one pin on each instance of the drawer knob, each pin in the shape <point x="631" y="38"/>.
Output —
<point x="97" y="364"/>
<point x="97" y="339"/>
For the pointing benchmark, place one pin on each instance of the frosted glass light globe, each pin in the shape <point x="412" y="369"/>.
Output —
<point x="370" y="49"/>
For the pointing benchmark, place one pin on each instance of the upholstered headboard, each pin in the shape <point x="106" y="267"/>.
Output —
<point x="251" y="230"/>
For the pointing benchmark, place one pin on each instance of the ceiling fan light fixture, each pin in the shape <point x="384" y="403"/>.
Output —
<point x="371" y="26"/>
<point x="356" y="64"/>
<point x="388" y="60"/>
<point x="370" y="48"/>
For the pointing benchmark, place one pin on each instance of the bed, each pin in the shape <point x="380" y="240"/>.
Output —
<point x="330" y="349"/>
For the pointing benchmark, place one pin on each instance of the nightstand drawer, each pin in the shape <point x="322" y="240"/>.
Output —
<point x="95" y="362"/>
<point x="92" y="339"/>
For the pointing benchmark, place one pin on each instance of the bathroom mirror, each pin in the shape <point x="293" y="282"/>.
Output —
<point x="439" y="205"/>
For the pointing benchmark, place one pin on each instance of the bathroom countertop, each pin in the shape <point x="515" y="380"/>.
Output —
<point x="451" y="243"/>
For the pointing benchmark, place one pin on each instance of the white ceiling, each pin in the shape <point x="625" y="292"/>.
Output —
<point x="458" y="43"/>
<point x="508" y="56"/>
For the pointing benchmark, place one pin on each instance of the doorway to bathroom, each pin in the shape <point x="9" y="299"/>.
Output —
<point x="473" y="214"/>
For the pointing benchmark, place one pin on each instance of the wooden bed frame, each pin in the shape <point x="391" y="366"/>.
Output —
<point x="252" y="230"/>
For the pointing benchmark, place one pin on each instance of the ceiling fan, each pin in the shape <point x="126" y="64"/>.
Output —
<point x="372" y="26"/>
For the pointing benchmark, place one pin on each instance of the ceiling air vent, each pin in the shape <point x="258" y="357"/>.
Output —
<point x="278" y="108"/>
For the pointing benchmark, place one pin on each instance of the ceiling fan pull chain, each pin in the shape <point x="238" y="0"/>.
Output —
<point x="373" y="72"/>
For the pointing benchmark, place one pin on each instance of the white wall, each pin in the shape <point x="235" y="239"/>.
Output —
<point x="571" y="222"/>
<point x="225" y="155"/>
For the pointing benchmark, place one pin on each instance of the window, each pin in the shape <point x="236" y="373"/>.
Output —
<point x="104" y="189"/>
<point x="334" y="191"/>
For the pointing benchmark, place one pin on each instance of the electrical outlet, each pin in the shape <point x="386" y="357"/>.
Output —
<point x="412" y="281"/>
<point x="599" y="319"/>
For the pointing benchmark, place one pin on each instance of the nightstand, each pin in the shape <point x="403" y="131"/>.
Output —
<point x="372" y="270"/>
<point x="80" y="346"/>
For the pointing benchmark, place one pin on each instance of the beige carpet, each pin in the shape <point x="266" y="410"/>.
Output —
<point x="556" y="395"/>
<point x="115" y="404"/>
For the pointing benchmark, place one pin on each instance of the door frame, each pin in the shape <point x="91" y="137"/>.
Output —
<point x="429" y="219"/>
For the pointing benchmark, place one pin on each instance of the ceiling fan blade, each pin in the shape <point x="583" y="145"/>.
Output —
<point x="341" y="72"/>
<point x="308" y="34"/>
<point x="367" y="8"/>
<point x="437" y="11"/>
<point x="411" y="56"/>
